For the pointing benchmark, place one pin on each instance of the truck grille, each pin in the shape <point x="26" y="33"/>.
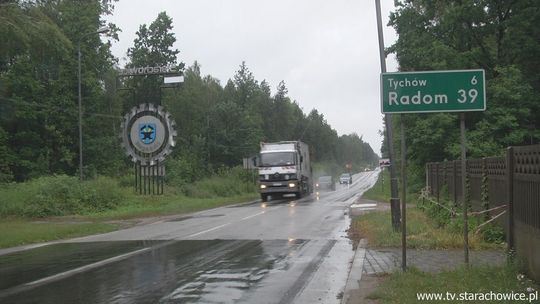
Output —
<point x="277" y="177"/>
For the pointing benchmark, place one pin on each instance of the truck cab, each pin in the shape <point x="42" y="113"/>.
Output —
<point x="284" y="168"/>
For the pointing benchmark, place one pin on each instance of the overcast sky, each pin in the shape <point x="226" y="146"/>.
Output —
<point x="325" y="51"/>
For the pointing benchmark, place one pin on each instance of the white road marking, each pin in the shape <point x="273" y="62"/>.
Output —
<point x="253" y="215"/>
<point x="363" y="205"/>
<point x="207" y="230"/>
<point x="226" y="224"/>
<point x="87" y="267"/>
<point x="367" y="209"/>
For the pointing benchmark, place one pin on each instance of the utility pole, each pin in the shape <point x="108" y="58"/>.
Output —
<point x="403" y="194"/>
<point x="394" y="196"/>
<point x="101" y="30"/>
<point x="464" y="187"/>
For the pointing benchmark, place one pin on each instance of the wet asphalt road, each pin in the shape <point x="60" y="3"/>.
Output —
<point x="283" y="251"/>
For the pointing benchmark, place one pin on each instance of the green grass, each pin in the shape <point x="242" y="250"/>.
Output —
<point x="144" y="206"/>
<point x="402" y="287"/>
<point x="381" y="190"/>
<point x="20" y="232"/>
<point x="422" y="232"/>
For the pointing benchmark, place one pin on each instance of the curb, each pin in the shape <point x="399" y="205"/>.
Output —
<point x="355" y="273"/>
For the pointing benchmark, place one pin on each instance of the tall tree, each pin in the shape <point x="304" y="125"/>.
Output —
<point x="38" y="75"/>
<point x="154" y="46"/>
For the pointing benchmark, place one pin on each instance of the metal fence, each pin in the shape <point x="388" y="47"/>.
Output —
<point x="513" y="180"/>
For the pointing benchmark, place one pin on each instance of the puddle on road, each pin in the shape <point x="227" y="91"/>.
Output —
<point x="191" y="271"/>
<point x="30" y="265"/>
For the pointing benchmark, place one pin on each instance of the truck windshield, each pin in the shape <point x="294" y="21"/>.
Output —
<point x="277" y="159"/>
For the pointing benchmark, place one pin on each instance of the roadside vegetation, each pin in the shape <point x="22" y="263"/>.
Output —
<point x="64" y="195"/>
<point x="380" y="192"/>
<point x="423" y="232"/>
<point x="428" y="225"/>
<point x="403" y="287"/>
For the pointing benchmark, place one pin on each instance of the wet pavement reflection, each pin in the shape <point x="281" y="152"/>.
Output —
<point x="30" y="265"/>
<point x="188" y="271"/>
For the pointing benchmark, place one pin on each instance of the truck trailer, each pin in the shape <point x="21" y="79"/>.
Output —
<point x="284" y="168"/>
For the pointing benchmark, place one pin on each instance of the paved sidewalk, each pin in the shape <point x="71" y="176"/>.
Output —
<point x="370" y="262"/>
<point x="388" y="259"/>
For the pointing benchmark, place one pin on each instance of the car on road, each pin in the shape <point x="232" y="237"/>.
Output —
<point x="345" y="178"/>
<point x="325" y="183"/>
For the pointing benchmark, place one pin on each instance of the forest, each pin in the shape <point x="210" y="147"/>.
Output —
<point x="217" y="124"/>
<point x="501" y="37"/>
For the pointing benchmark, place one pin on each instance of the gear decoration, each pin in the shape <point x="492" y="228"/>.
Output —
<point x="148" y="134"/>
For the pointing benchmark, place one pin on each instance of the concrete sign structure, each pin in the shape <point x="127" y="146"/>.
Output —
<point x="148" y="134"/>
<point x="148" y="137"/>
<point x="433" y="91"/>
<point x="148" y="131"/>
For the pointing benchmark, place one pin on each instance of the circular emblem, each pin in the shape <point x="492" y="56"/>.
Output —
<point x="148" y="134"/>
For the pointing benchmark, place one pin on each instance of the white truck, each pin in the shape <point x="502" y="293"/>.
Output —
<point x="284" y="168"/>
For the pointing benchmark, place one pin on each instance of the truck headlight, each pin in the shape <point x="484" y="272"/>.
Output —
<point x="292" y="185"/>
<point x="263" y="186"/>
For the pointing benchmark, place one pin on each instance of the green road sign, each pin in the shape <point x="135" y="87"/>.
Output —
<point x="433" y="91"/>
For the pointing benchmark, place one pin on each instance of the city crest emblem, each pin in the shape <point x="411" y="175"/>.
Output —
<point x="147" y="133"/>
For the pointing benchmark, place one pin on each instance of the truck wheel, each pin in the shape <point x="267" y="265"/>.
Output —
<point x="298" y="194"/>
<point x="264" y="197"/>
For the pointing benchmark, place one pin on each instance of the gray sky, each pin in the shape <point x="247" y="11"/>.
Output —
<point x="325" y="51"/>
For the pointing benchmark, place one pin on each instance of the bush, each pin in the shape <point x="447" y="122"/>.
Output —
<point x="441" y="216"/>
<point x="227" y="182"/>
<point x="493" y="234"/>
<point x="101" y="194"/>
<point x="51" y="196"/>
<point x="60" y="195"/>
<point x="186" y="168"/>
<point x="126" y="181"/>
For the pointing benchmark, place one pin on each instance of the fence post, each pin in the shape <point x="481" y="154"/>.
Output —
<point x="454" y="174"/>
<point x="427" y="176"/>
<point x="437" y="181"/>
<point x="484" y="194"/>
<point x="444" y="178"/>
<point x="510" y="196"/>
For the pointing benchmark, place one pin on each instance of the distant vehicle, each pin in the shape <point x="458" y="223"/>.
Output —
<point x="325" y="182"/>
<point x="345" y="178"/>
<point x="284" y="168"/>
